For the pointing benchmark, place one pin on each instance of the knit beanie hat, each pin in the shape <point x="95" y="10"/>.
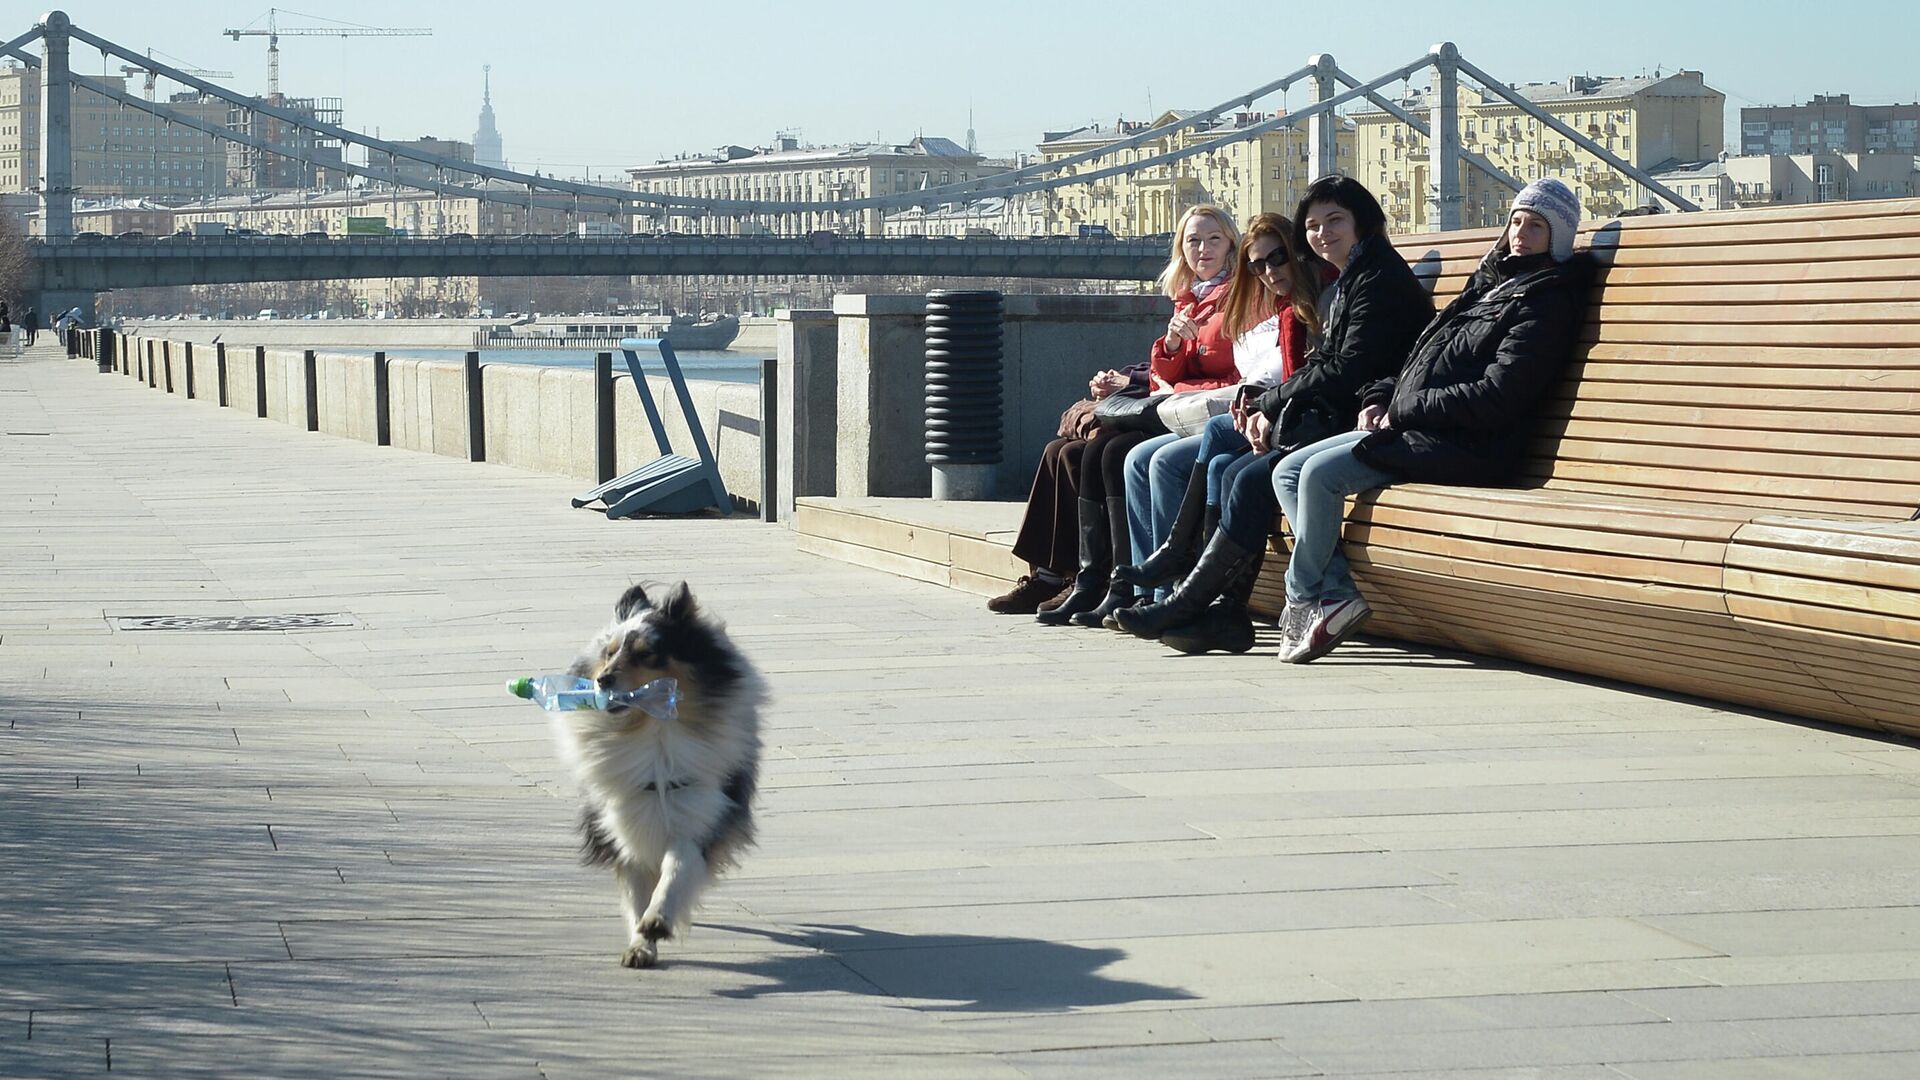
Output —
<point x="1554" y="201"/>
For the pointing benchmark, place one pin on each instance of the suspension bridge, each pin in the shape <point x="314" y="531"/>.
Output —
<point x="69" y="270"/>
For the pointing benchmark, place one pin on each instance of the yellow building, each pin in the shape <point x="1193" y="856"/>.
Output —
<point x="1648" y="121"/>
<point x="117" y="150"/>
<point x="789" y="172"/>
<point x="1262" y="174"/>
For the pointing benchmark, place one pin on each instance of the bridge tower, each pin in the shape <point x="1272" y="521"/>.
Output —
<point x="1323" y="127"/>
<point x="56" y="129"/>
<point x="1443" y="142"/>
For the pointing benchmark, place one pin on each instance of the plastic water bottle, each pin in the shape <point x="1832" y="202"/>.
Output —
<point x="563" y="693"/>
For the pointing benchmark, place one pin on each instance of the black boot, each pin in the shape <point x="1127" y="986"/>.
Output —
<point x="1225" y="625"/>
<point x="1119" y="593"/>
<point x="1090" y="584"/>
<point x="1218" y="567"/>
<point x="1171" y="560"/>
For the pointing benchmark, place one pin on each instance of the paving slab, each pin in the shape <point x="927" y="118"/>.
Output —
<point x="989" y="848"/>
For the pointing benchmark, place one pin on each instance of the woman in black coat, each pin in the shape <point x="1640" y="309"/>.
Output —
<point x="1457" y="413"/>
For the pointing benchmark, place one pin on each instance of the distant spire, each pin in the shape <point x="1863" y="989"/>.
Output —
<point x="973" y="146"/>
<point x="486" y="140"/>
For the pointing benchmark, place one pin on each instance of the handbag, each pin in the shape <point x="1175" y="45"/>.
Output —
<point x="1128" y="413"/>
<point x="1078" y="422"/>
<point x="1187" y="414"/>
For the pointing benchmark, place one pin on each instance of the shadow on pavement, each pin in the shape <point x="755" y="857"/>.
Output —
<point x="944" y="972"/>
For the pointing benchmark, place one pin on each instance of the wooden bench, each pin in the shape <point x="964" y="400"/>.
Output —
<point x="1719" y="497"/>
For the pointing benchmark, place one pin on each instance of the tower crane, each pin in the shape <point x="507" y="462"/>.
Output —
<point x="275" y="31"/>
<point x="131" y="70"/>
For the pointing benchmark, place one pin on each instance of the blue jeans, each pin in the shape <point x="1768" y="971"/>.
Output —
<point x="1147" y="520"/>
<point x="1312" y="484"/>
<point x="1220" y="446"/>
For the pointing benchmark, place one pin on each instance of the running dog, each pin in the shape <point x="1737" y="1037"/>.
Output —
<point x="669" y="801"/>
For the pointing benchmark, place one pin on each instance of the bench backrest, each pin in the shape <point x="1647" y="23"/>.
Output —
<point x="1758" y="358"/>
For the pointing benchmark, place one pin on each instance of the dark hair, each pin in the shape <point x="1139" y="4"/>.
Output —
<point x="1348" y="194"/>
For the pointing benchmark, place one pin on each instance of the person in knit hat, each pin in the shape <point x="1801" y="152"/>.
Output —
<point x="1457" y="413"/>
<point x="1555" y="203"/>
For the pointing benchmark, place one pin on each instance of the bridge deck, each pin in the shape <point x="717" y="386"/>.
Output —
<point x="990" y="849"/>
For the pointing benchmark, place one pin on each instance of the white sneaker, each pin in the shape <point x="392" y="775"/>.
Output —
<point x="1330" y="623"/>
<point x="1294" y="620"/>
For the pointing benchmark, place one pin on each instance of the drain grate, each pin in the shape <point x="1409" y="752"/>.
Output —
<point x="232" y="622"/>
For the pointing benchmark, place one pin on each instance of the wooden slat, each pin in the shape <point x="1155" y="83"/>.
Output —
<point x="1904" y="381"/>
<point x="1613" y="539"/>
<point x="1898" y="426"/>
<point x="1899" y="335"/>
<point x="1743" y="295"/>
<point x="1733" y="251"/>
<point x="1721" y="219"/>
<point x="1604" y="480"/>
<point x="1711" y="472"/>
<point x="1467" y="554"/>
<point x="1843" y="231"/>
<point x="1815" y="445"/>
<point x="1653" y="649"/>
<point x="1658" y="594"/>
<point x="1615" y="312"/>
<point x="1873" y="269"/>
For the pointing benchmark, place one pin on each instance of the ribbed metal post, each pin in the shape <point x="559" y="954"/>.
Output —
<point x="963" y="391"/>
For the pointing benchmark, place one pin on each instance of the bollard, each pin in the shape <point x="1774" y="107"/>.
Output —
<point x="963" y="391"/>
<point x="105" y="346"/>
<point x="382" y="402"/>
<point x="220" y="370"/>
<point x="187" y="348"/>
<point x="603" y="416"/>
<point x="770" y="439"/>
<point x="166" y="364"/>
<point x="260" y="381"/>
<point x="476" y="411"/>
<point x="310" y="378"/>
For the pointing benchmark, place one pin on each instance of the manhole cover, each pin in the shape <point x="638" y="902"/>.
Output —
<point x="231" y="622"/>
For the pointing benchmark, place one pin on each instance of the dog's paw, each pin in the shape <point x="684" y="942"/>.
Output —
<point x="654" y="928"/>
<point x="642" y="955"/>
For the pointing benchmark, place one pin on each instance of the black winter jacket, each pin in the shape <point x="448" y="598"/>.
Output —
<point x="1377" y="312"/>
<point x="1461" y="408"/>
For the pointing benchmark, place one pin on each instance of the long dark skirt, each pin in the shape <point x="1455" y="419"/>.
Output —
<point x="1070" y="470"/>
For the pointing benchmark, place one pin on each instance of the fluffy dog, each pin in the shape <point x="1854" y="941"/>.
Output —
<point x="669" y="803"/>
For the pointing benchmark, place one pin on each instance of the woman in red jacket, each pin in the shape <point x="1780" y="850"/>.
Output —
<point x="1193" y="354"/>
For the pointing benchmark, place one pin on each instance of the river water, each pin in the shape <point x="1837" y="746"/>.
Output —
<point x="715" y="365"/>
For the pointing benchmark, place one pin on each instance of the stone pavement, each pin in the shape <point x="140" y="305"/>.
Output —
<point x="990" y="849"/>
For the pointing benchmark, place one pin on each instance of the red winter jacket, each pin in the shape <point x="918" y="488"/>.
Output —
<point x="1205" y="363"/>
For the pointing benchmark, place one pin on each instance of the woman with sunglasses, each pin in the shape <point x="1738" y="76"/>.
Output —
<point x="1375" y="309"/>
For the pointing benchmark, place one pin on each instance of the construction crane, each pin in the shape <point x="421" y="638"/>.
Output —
<point x="274" y="31"/>
<point x="131" y="70"/>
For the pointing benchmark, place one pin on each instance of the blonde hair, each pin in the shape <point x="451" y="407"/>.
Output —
<point x="1250" y="304"/>
<point x="1178" y="276"/>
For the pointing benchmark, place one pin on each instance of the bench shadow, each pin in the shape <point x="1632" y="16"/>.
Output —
<point x="938" y="972"/>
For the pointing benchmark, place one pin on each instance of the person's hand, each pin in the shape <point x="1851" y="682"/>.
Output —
<point x="1159" y="385"/>
<point x="1105" y="384"/>
<point x="1258" y="430"/>
<point x="1373" y="418"/>
<point x="1180" y="329"/>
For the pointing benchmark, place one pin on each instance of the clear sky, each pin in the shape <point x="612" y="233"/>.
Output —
<point x="608" y="83"/>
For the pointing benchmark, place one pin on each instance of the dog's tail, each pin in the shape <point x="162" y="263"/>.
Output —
<point x="596" y="846"/>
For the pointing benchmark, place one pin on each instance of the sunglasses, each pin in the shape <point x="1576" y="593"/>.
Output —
<point x="1276" y="262"/>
